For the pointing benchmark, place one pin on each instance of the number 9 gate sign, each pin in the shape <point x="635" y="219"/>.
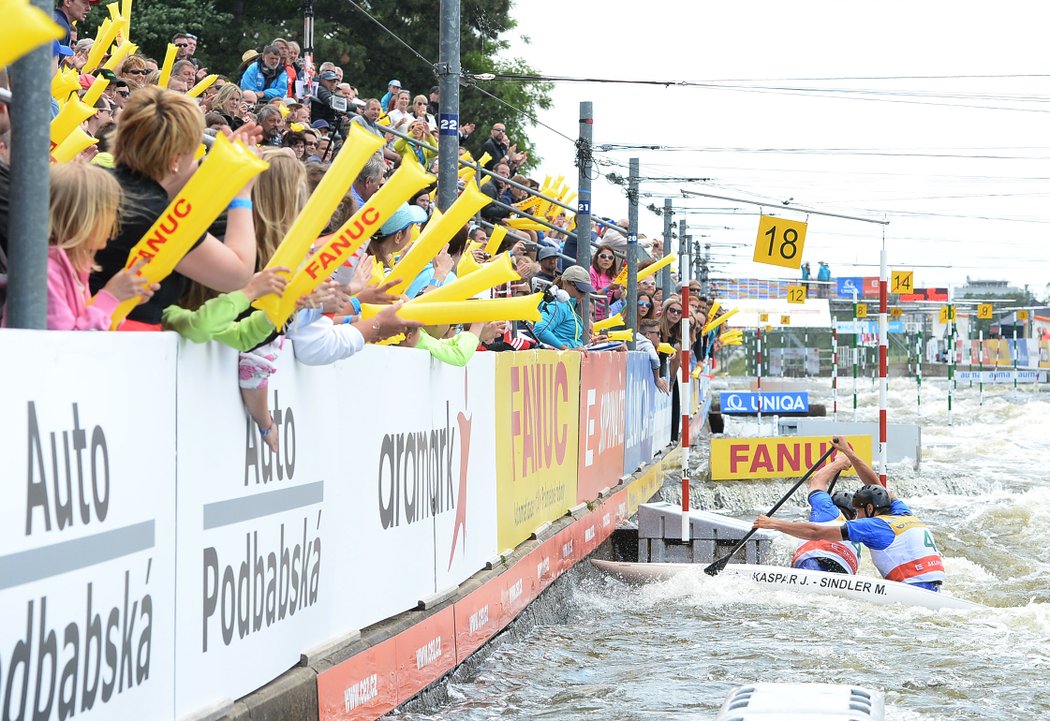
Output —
<point x="780" y="242"/>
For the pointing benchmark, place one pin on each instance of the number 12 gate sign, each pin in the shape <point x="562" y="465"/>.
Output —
<point x="783" y="457"/>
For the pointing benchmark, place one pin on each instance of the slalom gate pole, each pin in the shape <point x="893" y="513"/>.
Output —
<point x="834" y="374"/>
<point x="1014" y="354"/>
<point x="758" y="358"/>
<point x="969" y="344"/>
<point x="805" y="352"/>
<point x="980" y="360"/>
<point x="686" y="399"/>
<point x="951" y="361"/>
<point x="918" y="374"/>
<point x="883" y="349"/>
<point x="856" y="357"/>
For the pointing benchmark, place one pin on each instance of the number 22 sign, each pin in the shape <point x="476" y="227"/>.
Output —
<point x="780" y="242"/>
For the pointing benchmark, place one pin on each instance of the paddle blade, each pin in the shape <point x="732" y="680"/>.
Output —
<point x="717" y="567"/>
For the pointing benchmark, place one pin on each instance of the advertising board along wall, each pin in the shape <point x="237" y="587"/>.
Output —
<point x="87" y="526"/>
<point x="780" y="457"/>
<point x="603" y="404"/>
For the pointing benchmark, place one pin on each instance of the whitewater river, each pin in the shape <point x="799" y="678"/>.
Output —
<point x="674" y="650"/>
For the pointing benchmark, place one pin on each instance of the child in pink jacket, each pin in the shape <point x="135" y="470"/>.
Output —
<point x="83" y="217"/>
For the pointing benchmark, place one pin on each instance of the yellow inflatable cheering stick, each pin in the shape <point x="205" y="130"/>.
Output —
<point x="496" y="239"/>
<point x="107" y="33"/>
<point x="712" y="324"/>
<point x="69" y="119"/>
<point x="525" y="307"/>
<point x="610" y="322"/>
<point x="666" y="349"/>
<point x="202" y="85"/>
<point x="621" y="335"/>
<point x="75" y="143"/>
<point x="435" y="236"/>
<point x="498" y="272"/>
<point x="24" y="29"/>
<point x="165" y="69"/>
<point x="360" y="146"/>
<point x="409" y="178"/>
<point x="621" y="277"/>
<point x="207" y="193"/>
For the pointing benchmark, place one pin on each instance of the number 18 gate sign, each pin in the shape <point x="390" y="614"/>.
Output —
<point x="768" y="402"/>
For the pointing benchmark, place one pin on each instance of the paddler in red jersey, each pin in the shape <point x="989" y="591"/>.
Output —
<point x="901" y="545"/>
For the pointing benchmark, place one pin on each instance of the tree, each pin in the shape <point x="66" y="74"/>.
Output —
<point x="369" y="56"/>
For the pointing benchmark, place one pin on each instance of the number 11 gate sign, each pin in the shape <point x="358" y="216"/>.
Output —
<point x="780" y="242"/>
<point x="781" y="457"/>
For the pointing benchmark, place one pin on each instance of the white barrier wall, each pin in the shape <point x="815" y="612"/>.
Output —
<point x="87" y="525"/>
<point x="157" y="559"/>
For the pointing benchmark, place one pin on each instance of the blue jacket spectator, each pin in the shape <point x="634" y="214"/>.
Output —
<point x="560" y="326"/>
<point x="266" y="76"/>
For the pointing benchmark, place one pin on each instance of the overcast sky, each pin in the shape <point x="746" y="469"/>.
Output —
<point x="822" y="106"/>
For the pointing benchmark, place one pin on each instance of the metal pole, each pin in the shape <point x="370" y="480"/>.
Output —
<point x="918" y="374"/>
<point x="583" y="204"/>
<point x="665" y="274"/>
<point x="758" y="379"/>
<point x="448" y="72"/>
<point x="632" y="254"/>
<point x="883" y="348"/>
<point x="951" y="355"/>
<point x="27" y="229"/>
<point x="1014" y="353"/>
<point x="308" y="46"/>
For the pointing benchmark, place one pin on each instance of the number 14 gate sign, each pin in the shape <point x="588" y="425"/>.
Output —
<point x="783" y="457"/>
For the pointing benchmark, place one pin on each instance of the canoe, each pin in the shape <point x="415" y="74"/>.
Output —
<point x="864" y="588"/>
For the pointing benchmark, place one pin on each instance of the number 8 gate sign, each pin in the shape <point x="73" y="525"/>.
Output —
<point x="780" y="242"/>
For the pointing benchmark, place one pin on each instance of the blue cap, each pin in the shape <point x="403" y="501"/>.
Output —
<point x="58" y="49"/>
<point x="403" y="217"/>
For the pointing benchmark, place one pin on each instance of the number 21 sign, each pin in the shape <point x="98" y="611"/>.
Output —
<point x="780" y="242"/>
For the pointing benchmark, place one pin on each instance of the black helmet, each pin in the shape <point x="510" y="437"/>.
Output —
<point x="844" y="500"/>
<point x="875" y="495"/>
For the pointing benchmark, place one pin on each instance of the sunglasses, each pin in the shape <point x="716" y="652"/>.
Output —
<point x="311" y="145"/>
<point x="182" y="45"/>
<point x="644" y="303"/>
<point x="136" y="72"/>
<point x="676" y="311"/>
<point x="605" y="256"/>
<point x="124" y="93"/>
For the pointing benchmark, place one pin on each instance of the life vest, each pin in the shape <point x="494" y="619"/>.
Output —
<point x="843" y="553"/>
<point x="912" y="557"/>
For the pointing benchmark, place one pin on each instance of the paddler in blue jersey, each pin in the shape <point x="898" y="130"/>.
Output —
<point x="901" y="545"/>
<point x="834" y="556"/>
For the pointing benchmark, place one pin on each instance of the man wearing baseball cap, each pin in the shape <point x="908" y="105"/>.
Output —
<point x="547" y="257"/>
<point x="392" y="89"/>
<point x="68" y="13"/>
<point x="560" y="325"/>
<point x="322" y="108"/>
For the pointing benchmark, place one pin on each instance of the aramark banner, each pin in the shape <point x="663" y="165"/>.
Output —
<point x="765" y="402"/>
<point x="87" y="526"/>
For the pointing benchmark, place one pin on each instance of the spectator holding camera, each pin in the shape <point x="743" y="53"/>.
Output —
<point x="321" y="105"/>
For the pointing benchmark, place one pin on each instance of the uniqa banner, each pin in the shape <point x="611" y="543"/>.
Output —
<point x="767" y="402"/>
<point x="537" y="412"/>
<point x="782" y="457"/>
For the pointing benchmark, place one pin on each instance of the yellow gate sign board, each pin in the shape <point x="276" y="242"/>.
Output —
<point x="782" y="457"/>
<point x="902" y="281"/>
<point x="862" y="310"/>
<point x="947" y="313"/>
<point x="780" y="242"/>
<point x="796" y="294"/>
<point x="984" y="311"/>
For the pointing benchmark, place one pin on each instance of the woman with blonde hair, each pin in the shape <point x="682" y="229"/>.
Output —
<point x="229" y="103"/>
<point x="419" y="111"/>
<point x="157" y="138"/>
<point x="82" y="219"/>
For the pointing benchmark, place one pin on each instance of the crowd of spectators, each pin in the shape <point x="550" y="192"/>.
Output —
<point x="297" y="118"/>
